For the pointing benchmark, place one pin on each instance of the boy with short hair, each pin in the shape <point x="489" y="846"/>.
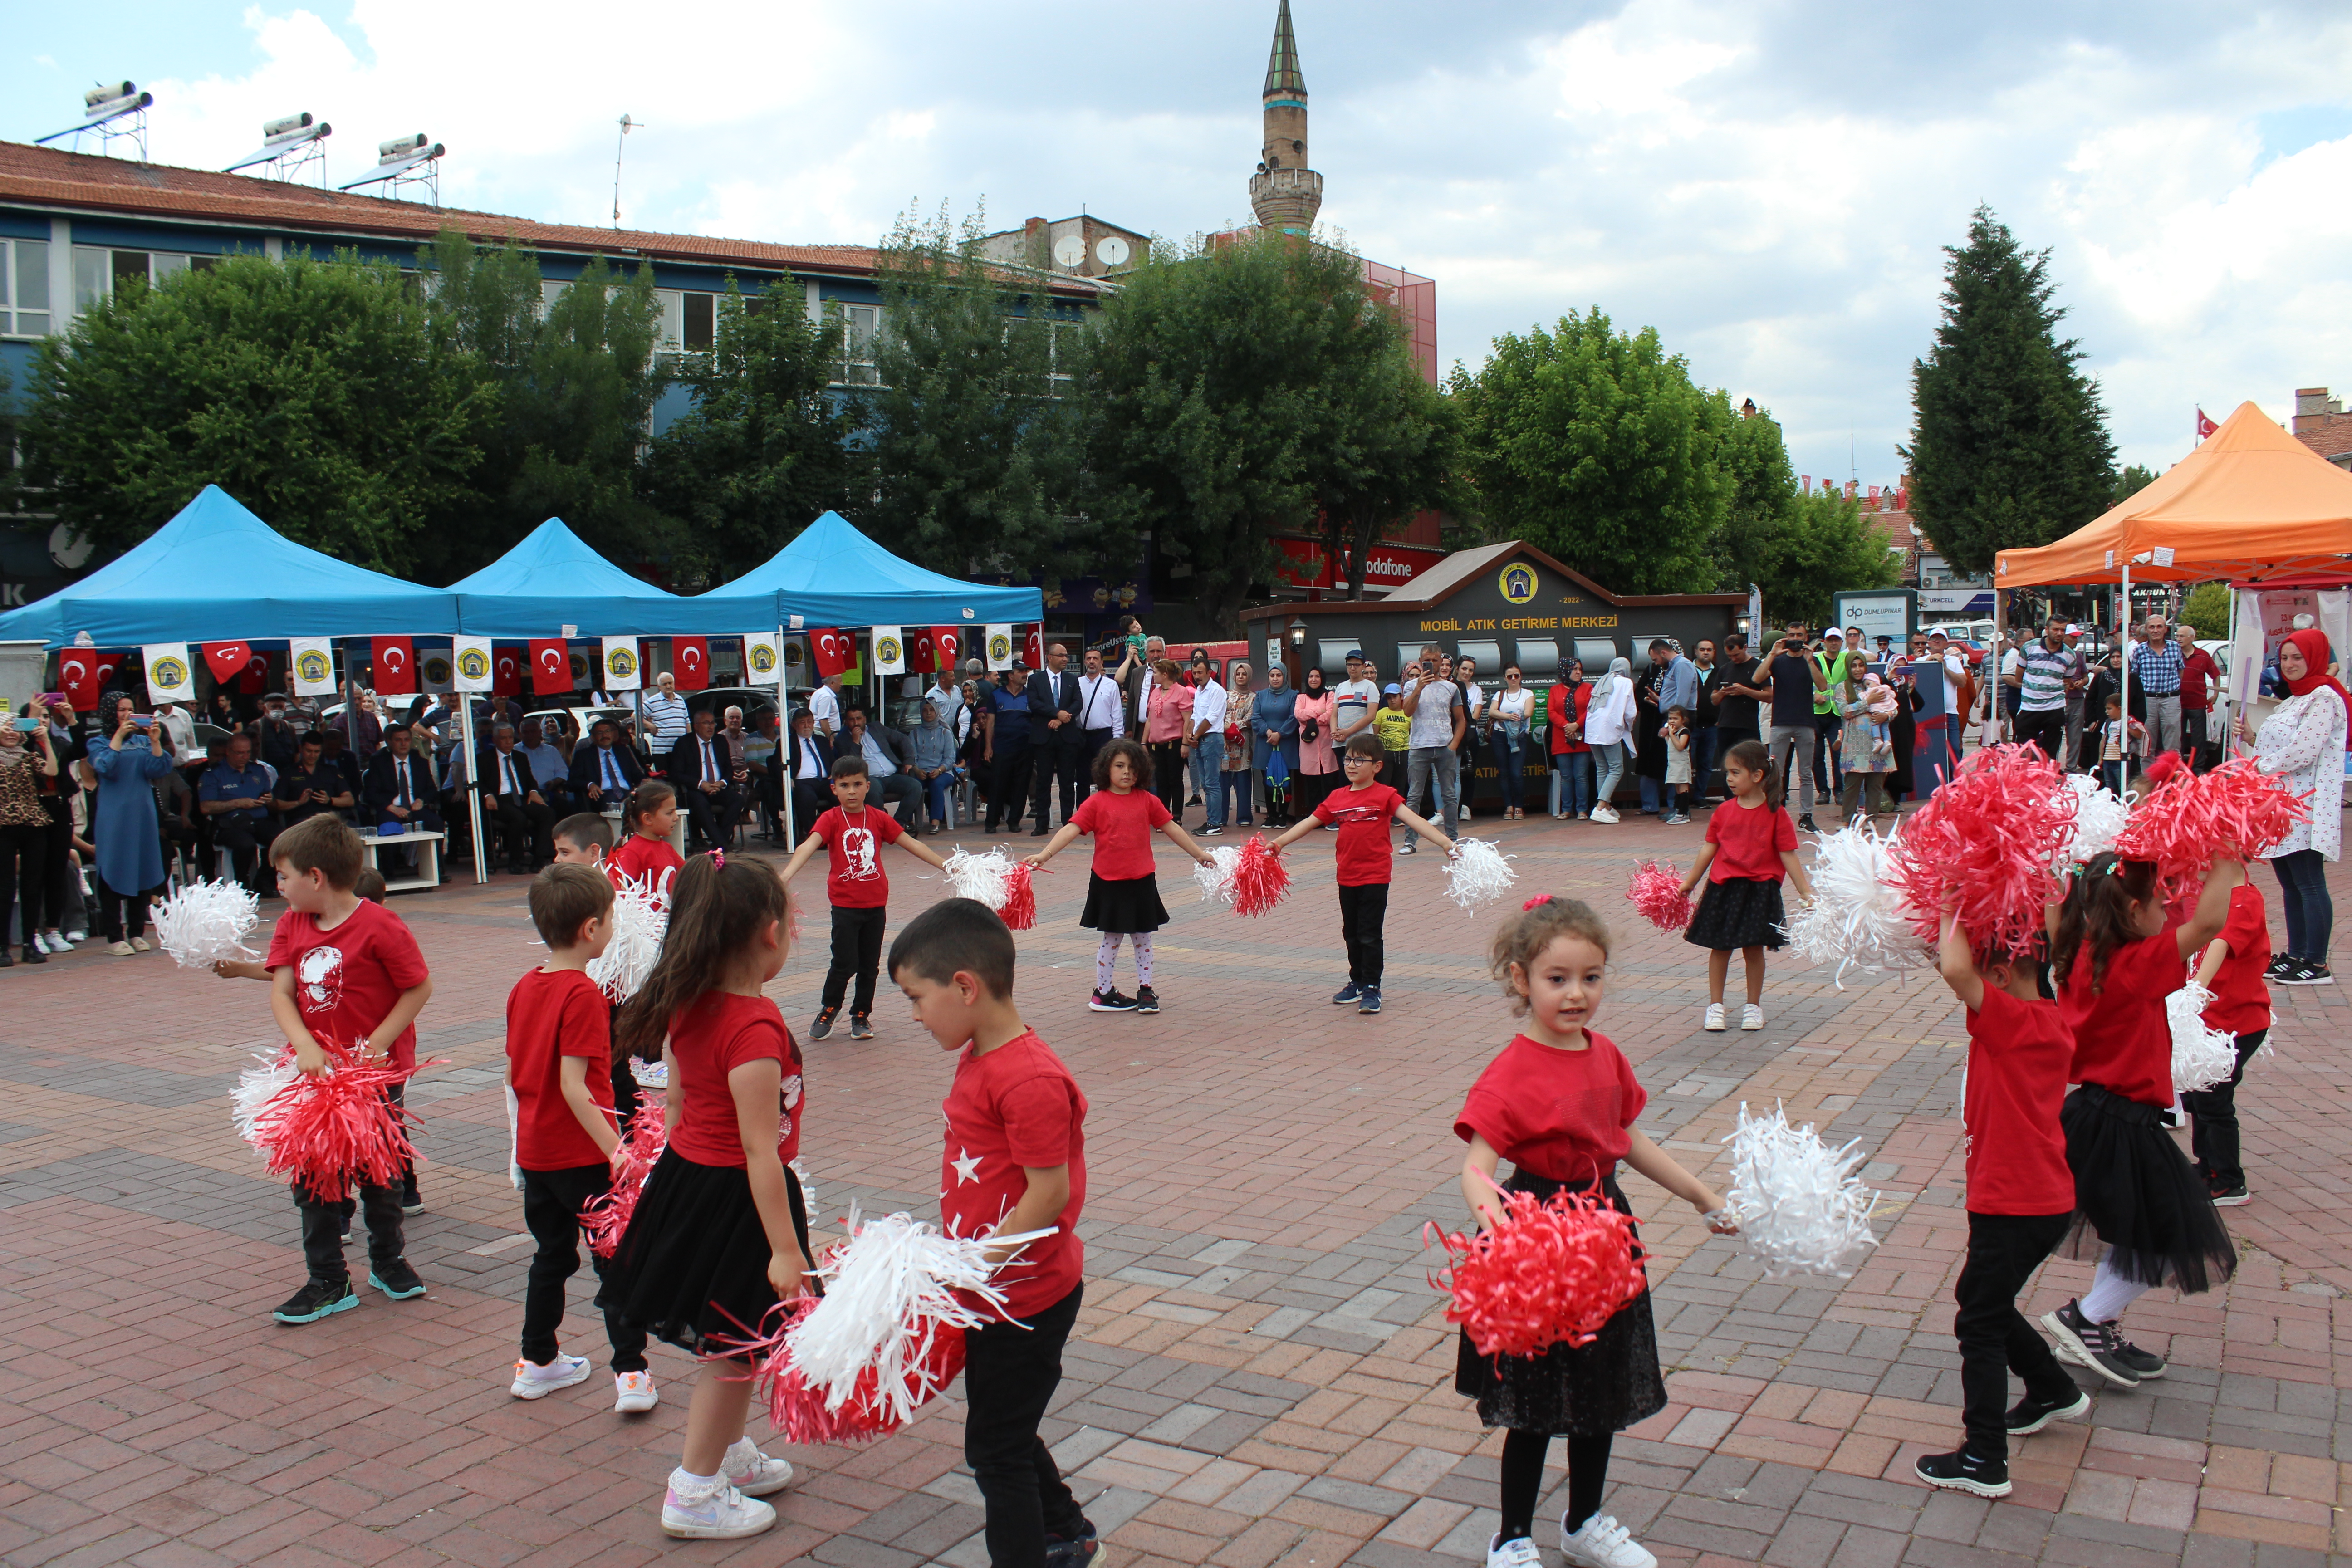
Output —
<point x="582" y="840"/>
<point x="350" y="971"/>
<point x="858" y="888"/>
<point x="1363" y="810"/>
<point x="1014" y="1162"/>
<point x="559" y="1051"/>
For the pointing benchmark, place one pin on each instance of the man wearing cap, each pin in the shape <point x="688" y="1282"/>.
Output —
<point x="2156" y="670"/>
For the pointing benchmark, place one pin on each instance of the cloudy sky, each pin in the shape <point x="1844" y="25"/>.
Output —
<point x="1768" y="182"/>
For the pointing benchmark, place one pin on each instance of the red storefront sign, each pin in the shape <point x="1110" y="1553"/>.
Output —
<point x="1308" y="565"/>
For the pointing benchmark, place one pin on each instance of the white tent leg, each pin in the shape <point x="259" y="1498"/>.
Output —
<point x="473" y="794"/>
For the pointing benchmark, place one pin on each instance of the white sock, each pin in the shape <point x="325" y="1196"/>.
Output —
<point x="2110" y="1293"/>
<point x="1106" y="960"/>
<point x="1142" y="941"/>
<point x="684" y="1481"/>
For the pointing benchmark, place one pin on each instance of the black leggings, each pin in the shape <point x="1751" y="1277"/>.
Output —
<point x="28" y="846"/>
<point x="1523" y="1462"/>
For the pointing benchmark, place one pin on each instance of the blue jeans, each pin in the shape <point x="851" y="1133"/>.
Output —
<point x="1436" y="771"/>
<point x="1610" y="761"/>
<point x="1238" y="783"/>
<point x="937" y="791"/>
<point x="1702" y="750"/>
<point x="1571" y="782"/>
<point x="2303" y="897"/>
<point x="1208" y="756"/>
<point x="1512" y="765"/>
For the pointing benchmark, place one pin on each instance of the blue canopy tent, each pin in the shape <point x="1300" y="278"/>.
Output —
<point x="217" y="574"/>
<point x="832" y="576"/>
<point x="552" y="579"/>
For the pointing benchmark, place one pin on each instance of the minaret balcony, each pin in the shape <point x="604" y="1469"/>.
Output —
<point x="1294" y="182"/>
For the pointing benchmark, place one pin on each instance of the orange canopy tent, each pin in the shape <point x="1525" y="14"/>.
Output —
<point x="2249" y="501"/>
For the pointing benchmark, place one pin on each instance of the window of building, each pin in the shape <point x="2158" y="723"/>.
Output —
<point x="24" y="287"/>
<point x="699" y="321"/>
<point x="859" y="326"/>
<point x="98" y="273"/>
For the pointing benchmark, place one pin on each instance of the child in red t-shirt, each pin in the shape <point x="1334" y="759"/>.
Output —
<point x="2233" y="968"/>
<point x="1364" y="858"/>
<point x="1123" y="890"/>
<point x="351" y="972"/>
<point x="1014" y="1162"/>
<point x="2116" y="956"/>
<point x="1751" y="844"/>
<point x="2020" y="1200"/>
<point x="720" y="1233"/>
<point x="559" y="1088"/>
<point x="645" y="860"/>
<point x="1559" y="1103"/>
<point x="858" y="890"/>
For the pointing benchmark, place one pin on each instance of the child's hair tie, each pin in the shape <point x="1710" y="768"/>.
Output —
<point x="719" y="859"/>
<point x="1531" y="903"/>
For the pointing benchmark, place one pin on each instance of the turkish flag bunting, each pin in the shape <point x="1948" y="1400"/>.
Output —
<point x="253" y="678"/>
<point x="832" y="650"/>
<point x="77" y="672"/>
<point x="1035" y="657"/>
<point x="506" y="672"/>
<point x="227" y="659"/>
<point x="920" y="657"/>
<point x="690" y="663"/>
<point x="947" y="643"/>
<point x="109" y="663"/>
<point x="392" y="666"/>
<point x="550" y="667"/>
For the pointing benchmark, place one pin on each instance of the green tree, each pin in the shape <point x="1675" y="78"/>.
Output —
<point x="760" y="453"/>
<point x="1595" y="446"/>
<point x="1800" y="549"/>
<point x="314" y="392"/>
<point x="2009" y="445"/>
<point x="2129" y="482"/>
<point x="975" y="436"/>
<point x="2206" y="608"/>
<point x="1394" y="450"/>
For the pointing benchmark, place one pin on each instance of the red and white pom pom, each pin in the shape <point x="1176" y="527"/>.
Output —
<point x="326" y="1131"/>
<point x="205" y="923"/>
<point x="605" y="1218"/>
<point x="1553" y="1272"/>
<point x="1797" y="1201"/>
<point x="1988" y="838"/>
<point x="1260" y="879"/>
<point x="2202" y="1056"/>
<point x="998" y="880"/>
<point x="2099" y="814"/>
<point x="2191" y="820"/>
<point x="1478" y="873"/>
<point x="639" y="920"/>
<point x="1020" y="911"/>
<point x="1215" y="875"/>
<point x="1856" y="915"/>
<point x="1656" y="891"/>
<point x="257" y="1086"/>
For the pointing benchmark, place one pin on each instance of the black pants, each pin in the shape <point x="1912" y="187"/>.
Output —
<point x="710" y="816"/>
<point x="2046" y="729"/>
<point x="856" y="949"/>
<point x="1725" y="737"/>
<point x="323" y="1230"/>
<point x="27" y="847"/>
<point x="2213" y="1131"/>
<point x="60" y="858"/>
<point x="1523" y="1461"/>
<point x="244" y="838"/>
<point x="123" y="915"/>
<point x="1362" y="911"/>
<point x="1090" y="744"/>
<point x="626" y="1098"/>
<point x="811" y="798"/>
<point x="528" y="827"/>
<point x="1167" y="775"/>
<point x="1057" y="760"/>
<point x="552" y="1202"/>
<point x="1010" y="1372"/>
<point x="1008" y="782"/>
<point x="1995" y="1339"/>
<point x="1828" y="758"/>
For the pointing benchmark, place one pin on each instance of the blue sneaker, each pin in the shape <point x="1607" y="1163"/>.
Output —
<point x="1371" y="1000"/>
<point x="1347" y="994"/>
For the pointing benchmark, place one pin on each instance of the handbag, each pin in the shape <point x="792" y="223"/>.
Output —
<point x="1309" y="731"/>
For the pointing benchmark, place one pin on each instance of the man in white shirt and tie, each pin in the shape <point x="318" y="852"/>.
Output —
<point x="1101" y="716"/>
<point x="701" y="769"/>
<point x="511" y="800"/>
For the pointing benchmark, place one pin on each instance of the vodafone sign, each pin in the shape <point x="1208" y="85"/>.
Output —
<point x="1389" y="565"/>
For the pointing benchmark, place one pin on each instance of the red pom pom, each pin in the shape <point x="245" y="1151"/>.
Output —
<point x="605" y="1218"/>
<point x="1656" y="891"/>
<point x="1552" y="1272"/>
<point x="2162" y="767"/>
<point x="799" y="1411"/>
<point x="326" y="1131"/>
<point x="1260" y="879"/>
<point x="1020" y="911"/>
<point x="2189" y="821"/>
<point x="1986" y="837"/>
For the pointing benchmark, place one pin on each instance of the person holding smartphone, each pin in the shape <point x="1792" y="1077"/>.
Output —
<point x="128" y="758"/>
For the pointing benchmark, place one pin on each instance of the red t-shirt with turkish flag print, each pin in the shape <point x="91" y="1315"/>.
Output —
<point x="1749" y="841"/>
<point x="2242" y="998"/>
<point x="552" y="1014"/>
<point x="1122" y="826"/>
<point x="1014" y="1109"/>
<point x="2020" y="1055"/>
<point x="854" y="878"/>
<point x="346" y="979"/>
<point x="1566" y="1116"/>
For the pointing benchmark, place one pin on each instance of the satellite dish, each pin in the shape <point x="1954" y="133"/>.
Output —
<point x="1070" y="250"/>
<point x="67" y="548"/>
<point x="1110" y="250"/>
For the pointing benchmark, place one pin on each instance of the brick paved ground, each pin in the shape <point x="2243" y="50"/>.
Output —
<point x="1261" y="1374"/>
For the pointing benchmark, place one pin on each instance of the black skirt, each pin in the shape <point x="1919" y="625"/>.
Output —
<point x="1123" y="907"/>
<point x="2136" y="1190"/>
<point x="1569" y="1391"/>
<point x="1745" y="911"/>
<point x="693" y="1264"/>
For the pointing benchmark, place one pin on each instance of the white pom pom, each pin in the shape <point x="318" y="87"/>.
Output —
<point x="1216" y="876"/>
<point x="257" y="1086"/>
<point x="205" y="923"/>
<point x="1478" y="873"/>
<point x="2202" y="1056"/>
<point x="639" y="922"/>
<point x="1798" y="1204"/>
<point x="886" y="1295"/>
<point x="981" y="875"/>
<point x="1856" y="916"/>
<point x="2099" y="816"/>
<point x="808" y="1189"/>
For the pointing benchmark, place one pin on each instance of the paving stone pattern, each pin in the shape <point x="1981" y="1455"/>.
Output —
<point x="1261" y="1374"/>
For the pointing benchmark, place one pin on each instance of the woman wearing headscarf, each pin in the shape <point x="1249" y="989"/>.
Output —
<point x="1606" y="719"/>
<point x="1649" y="741"/>
<point x="1274" y="742"/>
<point x="2301" y="744"/>
<point x="1237" y="775"/>
<point x="1572" y="758"/>
<point x="127" y="760"/>
<point x="59" y="793"/>
<point x="1318" y="767"/>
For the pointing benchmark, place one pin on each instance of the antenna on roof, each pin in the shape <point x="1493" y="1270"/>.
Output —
<point x="403" y="162"/>
<point x="109" y="110"/>
<point x="627" y="125"/>
<point x="290" y="146"/>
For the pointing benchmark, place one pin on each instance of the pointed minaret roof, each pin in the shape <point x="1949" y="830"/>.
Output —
<point x="1282" y="72"/>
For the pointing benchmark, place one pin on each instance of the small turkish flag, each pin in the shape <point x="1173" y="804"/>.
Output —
<point x="254" y="680"/>
<point x="550" y="667"/>
<point x="1035" y="657"/>
<point x="831" y="650"/>
<point x="690" y="663"/>
<point x="946" y="644"/>
<point x="392" y="666"/>
<point x="77" y="672"/>
<point x="227" y="659"/>
<point x="2204" y="427"/>
<point x="505" y="673"/>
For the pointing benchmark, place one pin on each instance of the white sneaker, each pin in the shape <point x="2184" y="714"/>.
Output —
<point x="1751" y="1016"/>
<point x="712" y="1511"/>
<point x="120" y="948"/>
<point x="1603" y="1543"/>
<point x="73" y="936"/>
<point x="533" y="1381"/>
<point x="52" y="941"/>
<point x="650" y="1075"/>
<point x="1604" y="814"/>
<point x="752" y="1472"/>
<point x="633" y="1393"/>
<point x="1713" y="1019"/>
<point x="1516" y="1552"/>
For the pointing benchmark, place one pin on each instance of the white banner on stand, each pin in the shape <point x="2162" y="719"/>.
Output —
<point x="890" y="651"/>
<point x="622" y="670"/>
<point x="169" y="677"/>
<point x="473" y="664"/>
<point x="999" y="647"/>
<point x="312" y="661"/>
<point x="763" y="658"/>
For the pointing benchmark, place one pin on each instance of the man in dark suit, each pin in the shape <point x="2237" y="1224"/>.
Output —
<point x="890" y="763"/>
<point x="701" y="770"/>
<point x="511" y="799"/>
<point x="808" y="763"/>
<point x="1053" y="735"/>
<point x="604" y="770"/>
<point x="399" y="786"/>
